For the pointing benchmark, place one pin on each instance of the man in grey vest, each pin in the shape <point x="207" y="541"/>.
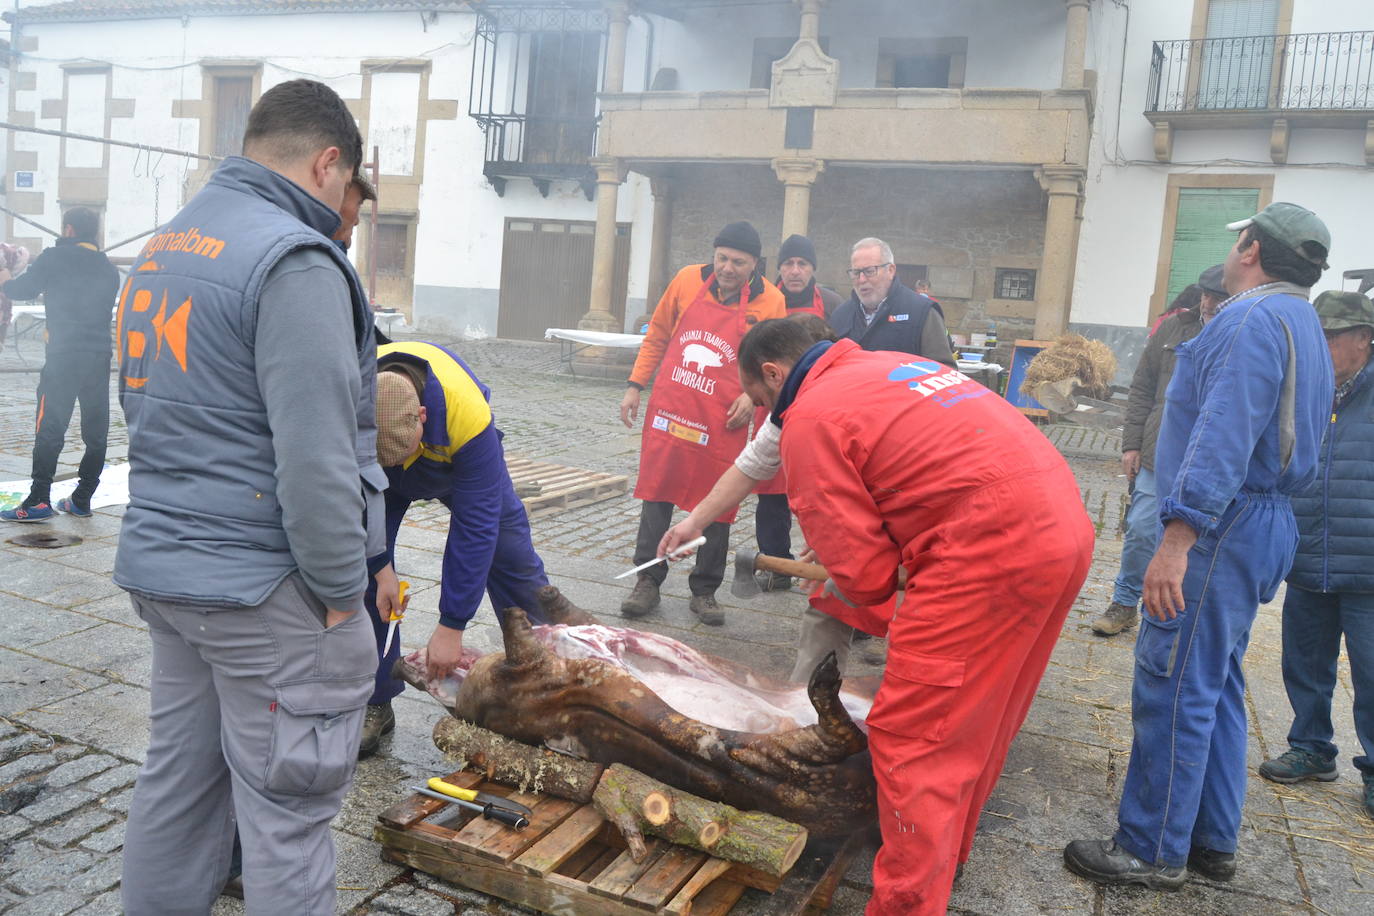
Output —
<point x="241" y="334"/>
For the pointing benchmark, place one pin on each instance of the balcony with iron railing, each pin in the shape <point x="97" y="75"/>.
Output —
<point x="1276" y="82"/>
<point x="1323" y="79"/>
<point x="536" y="70"/>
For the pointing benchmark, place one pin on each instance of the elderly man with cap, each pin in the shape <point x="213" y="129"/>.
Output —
<point x="883" y="314"/>
<point x="698" y="415"/>
<point x="1247" y="407"/>
<point x="773" y="517"/>
<point x="1331" y="586"/>
<point x="1143" y="413"/>
<point x="436" y="439"/>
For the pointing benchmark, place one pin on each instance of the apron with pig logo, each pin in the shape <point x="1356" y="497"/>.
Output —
<point x="686" y="446"/>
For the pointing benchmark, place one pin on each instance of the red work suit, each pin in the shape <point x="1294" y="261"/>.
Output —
<point x="898" y="459"/>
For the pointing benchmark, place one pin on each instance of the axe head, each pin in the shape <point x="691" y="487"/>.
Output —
<point x="744" y="585"/>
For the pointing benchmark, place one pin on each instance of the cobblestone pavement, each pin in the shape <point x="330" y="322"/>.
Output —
<point x="74" y="675"/>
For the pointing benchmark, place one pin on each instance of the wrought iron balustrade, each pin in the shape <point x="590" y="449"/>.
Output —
<point x="536" y="70"/>
<point x="1314" y="71"/>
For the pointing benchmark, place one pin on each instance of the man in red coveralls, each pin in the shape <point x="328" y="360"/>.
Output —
<point x="996" y="544"/>
<point x="698" y="417"/>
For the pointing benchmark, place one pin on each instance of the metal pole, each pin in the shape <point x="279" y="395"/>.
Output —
<point x="372" y="229"/>
<point x="73" y="136"/>
<point x="132" y="238"/>
<point x="25" y="219"/>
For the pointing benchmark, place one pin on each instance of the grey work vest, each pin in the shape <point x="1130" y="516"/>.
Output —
<point x="204" y="524"/>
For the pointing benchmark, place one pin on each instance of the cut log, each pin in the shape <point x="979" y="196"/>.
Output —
<point x="515" y="763"/>
<point x="638" y="804"/>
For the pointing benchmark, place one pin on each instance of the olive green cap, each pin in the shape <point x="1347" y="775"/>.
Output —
<point x="1293" y="226"/>
<point x="1340" y="310"/>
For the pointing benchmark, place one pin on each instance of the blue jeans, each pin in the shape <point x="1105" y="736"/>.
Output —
<point x="1312" y="626"/>
<point x="1185" y="784"/>
<point x="1142" y="537"/>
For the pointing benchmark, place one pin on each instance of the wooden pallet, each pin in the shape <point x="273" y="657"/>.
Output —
<point x="545" y="488"/>
<point x="570" y="861"/>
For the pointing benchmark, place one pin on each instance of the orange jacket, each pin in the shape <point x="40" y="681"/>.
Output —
<point x="765" y="301"/>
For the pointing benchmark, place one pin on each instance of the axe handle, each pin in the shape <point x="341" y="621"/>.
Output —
<point x="796" y="568"/>
<point x="814" y="571"/>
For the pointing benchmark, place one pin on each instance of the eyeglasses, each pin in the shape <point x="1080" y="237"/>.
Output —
<point x="868" y="273"/>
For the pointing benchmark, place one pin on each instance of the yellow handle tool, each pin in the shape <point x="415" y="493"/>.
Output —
<point x="396" y="614"/>
<point x="452" y="791"/>
<point x="481" y="798"/>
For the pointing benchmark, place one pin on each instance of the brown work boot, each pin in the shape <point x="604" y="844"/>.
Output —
<point x="1118" y="617"/>
<point x="643" y="598"/>
<point x="377" y="721"/>
<point x="558" y="609"/>
<point x="707" y="611"/>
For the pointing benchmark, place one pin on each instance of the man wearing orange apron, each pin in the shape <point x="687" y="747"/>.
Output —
<point x="992" y="533"/>
<point x="697" y="418"/>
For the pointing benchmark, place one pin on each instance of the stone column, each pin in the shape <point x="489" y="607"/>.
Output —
<point x="610" y="173"/>
<point x="797" y="176"/>
<point x="810" y="19"/>
<point x="660" y="268"/>
<point x="1075" y="44"/>
<point x="1054" y="286"/>
<point x="618" y="14"/>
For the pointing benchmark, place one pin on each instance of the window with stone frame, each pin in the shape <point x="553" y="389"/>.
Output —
<point x="911" y="274"/>
<point x="921" y="63"/>
<point x="233" y="100"/>
<point x="392" y="241"/>
<point x="1014" y="283"/>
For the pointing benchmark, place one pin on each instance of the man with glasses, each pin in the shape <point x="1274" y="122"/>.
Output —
<point x="885" y="315"/>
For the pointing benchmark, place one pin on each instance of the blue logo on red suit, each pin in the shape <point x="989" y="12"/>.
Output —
<point x="940" y="383"/>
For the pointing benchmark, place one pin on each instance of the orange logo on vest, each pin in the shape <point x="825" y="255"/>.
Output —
<point x="166" y="329"/>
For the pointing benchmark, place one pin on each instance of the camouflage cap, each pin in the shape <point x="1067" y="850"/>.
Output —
<point x="1340" y="310"/>
<point x="1292" y="225"/>
<point x="398" y="413"/>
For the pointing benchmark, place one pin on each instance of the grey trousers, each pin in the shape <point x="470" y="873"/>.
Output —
<point x="655" y="518"/>
<point x="256" y="717"/>
<point x="820" y="634"/>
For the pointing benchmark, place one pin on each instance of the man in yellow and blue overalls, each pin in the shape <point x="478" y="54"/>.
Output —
<point x="437" y="440"/>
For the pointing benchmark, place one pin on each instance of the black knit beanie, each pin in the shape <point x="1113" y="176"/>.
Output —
<point x="740" y="236"/>
<point x="797" y="246"/>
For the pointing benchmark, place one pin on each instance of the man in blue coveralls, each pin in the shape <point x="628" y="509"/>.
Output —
<point x="1244" y="419"/>
<point x="436" y="440"/>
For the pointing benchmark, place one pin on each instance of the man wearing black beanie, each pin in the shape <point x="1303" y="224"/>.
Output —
<point x="697" y="418"/>
<point x="773" y="518"/>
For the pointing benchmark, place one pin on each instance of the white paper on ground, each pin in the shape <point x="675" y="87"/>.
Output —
<point x="113" y="489"/>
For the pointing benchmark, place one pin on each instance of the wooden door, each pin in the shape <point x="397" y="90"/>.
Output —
<point x="546" y="276"/>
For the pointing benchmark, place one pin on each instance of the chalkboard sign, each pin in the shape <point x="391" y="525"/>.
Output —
<point x="1022" y="352"/>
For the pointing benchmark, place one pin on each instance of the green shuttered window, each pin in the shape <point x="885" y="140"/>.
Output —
<point x="1200" y="235"/>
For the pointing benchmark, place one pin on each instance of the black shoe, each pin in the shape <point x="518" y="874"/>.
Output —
<point x="1104" y="862"/>
<point x="706" y="609"/>
<point x="1212" y="865"/>
<point x="643" y="598"/>
<point x="773" y="582"/>
<point x="1369" y="795"/>
<point x="233" y="887"/>
<point x="379" y="720"/>
<point x="1296" y="765"/>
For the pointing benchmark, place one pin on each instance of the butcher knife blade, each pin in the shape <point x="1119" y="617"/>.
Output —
<point x="679" y="550"/>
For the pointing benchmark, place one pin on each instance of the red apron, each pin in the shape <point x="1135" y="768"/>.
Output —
<point x="778" y="483"/>
<point x="685" y="445"/>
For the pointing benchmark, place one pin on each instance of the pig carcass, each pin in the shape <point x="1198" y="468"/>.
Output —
<point x="701" y="724"/>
